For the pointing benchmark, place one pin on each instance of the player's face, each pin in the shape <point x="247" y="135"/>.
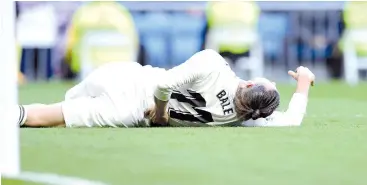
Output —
<point x="265" y="82"/>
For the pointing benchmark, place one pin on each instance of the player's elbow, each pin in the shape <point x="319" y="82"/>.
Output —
<point x="209" y="53"/>
<point x="293" y="119"/>
<point x="294" y="123"/>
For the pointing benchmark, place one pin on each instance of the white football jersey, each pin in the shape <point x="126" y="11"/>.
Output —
<point x="200" y="91"/>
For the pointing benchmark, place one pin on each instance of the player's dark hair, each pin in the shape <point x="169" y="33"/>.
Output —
<point x="255" y="102"/>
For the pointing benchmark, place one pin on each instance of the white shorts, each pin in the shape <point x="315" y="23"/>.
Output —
<point x="106" y="98"/>
<point x="101" y="111"/>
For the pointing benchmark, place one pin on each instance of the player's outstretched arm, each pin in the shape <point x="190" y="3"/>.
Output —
<point x="297" y="106"/>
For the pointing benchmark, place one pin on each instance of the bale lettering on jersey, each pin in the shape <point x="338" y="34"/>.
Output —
<point x="195" y="100"/>
<point x="224" y="102"/>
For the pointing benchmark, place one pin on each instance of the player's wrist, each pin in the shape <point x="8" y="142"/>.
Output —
<point x="303" y="86"/>
<point x="160" y="113"/>
<point x="304" y="79"/>
<point x="306" y="75"/>
<point x="160" y="107"/>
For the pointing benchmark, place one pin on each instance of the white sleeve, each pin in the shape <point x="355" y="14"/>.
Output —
<point x="195" y="69"/>
<point x="292" y="117"/>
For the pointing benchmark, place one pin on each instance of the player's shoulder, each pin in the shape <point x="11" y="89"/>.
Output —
<point x="122" y="64"/>
<point x="210" y="53"/>
<point x="213" y="58"/>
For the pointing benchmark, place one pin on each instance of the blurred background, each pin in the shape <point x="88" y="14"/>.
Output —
<point x="66" y="40"/>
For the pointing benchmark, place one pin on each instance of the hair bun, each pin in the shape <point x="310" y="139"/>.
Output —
<point x="255" y="114"/>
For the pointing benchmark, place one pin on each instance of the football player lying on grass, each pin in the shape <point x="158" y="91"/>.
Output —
<point x="203" y="91"/>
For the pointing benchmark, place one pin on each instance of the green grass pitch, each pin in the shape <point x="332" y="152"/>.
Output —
<point x="329" y="149"/>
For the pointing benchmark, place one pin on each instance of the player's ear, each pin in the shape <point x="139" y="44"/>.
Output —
<point x="247" y="84"/>
<point x="250" y="84"/>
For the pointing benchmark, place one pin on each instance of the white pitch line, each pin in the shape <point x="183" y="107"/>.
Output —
<point x="52" y="179"/>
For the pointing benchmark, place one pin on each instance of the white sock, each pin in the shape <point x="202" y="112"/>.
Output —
<point x="22" y="115"/>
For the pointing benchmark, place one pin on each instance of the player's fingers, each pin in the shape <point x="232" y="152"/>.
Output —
<point x="292" y="74"/>
<point x="147" y="112"/>
<point x="312" y="79"/>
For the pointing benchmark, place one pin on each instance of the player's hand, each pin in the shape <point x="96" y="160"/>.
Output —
<point x="303" y="73"/>
<point x="156" y="118"/>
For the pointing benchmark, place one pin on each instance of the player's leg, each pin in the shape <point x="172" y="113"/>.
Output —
<point x="92" y="85"/>
<point x="100" y="111"/>
<point x="108" y="76"/>
<point x="81" y="109"/>
<point x="40" y="115"/>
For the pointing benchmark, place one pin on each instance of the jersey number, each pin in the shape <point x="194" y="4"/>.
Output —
<point x="195" y="100"/>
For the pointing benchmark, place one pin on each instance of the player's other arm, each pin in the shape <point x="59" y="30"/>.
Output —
<point x="297" y="106"/>
<point x="195" y="69"/>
